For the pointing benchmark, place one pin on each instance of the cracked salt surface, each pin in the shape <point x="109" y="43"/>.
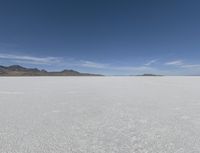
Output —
<point x="100" y="115"/>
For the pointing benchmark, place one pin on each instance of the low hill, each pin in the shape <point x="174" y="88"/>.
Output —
<point x="149" y="75"/>
<point x="17" y="70"/>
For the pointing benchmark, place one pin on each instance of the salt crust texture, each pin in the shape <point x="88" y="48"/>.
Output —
<point x="100" y="115"/>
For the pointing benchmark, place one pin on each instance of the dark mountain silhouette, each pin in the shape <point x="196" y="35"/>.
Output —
<point x="17" y="70"/>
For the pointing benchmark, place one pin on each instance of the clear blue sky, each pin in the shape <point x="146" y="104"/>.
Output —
<point x="102" y="36"/>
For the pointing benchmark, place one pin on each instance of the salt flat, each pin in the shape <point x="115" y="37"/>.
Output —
<point x="100" y="114"/>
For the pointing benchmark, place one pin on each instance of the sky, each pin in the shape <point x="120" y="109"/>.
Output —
<point x="111" y="37"/>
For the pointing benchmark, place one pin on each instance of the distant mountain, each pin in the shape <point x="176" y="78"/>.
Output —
<point x="17" y="70"/>
<point x="149" y="75"/>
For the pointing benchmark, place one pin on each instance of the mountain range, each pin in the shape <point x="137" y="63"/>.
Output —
<point x="17" y="70"/>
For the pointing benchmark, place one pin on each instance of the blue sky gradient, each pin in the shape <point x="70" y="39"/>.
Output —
<point x="113" y="37"/>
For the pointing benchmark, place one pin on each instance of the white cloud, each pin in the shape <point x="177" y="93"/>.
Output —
<point x="63" y="63"/>
<point x="136" y="70"/>
<point x="175" y="63"/>
<point x="132" y="68"/>
<point x="91" y="64"/>
<point x="150" y="62"/>
<point x="181" y="64"/>
<point x="30" y="59"/>
<point x="191" y="66"/>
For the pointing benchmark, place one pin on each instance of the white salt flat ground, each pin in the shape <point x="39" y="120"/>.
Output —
<point x="100" y="115"/>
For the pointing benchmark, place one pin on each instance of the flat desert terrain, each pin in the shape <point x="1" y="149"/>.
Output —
<point x="100" y="115"/>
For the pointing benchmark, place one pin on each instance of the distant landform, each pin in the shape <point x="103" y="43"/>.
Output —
<point x="17" y="70"/>
<point x="149" y="75"/>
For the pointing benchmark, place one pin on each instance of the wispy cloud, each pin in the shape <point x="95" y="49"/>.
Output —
<point x="191" y="66"/>
<point x="30" y="59"/>
<point x="181" y="64"/>
<point x="151" y="62"/>
<point x="91" y="64"/>
<point x="96" y="65"/>
<point x="126" y="69"/>
<point x="116" y="69"/>
<point x="133" y="68"/>
<point x="174" y="66"/>
<point x="175" y="63"/>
